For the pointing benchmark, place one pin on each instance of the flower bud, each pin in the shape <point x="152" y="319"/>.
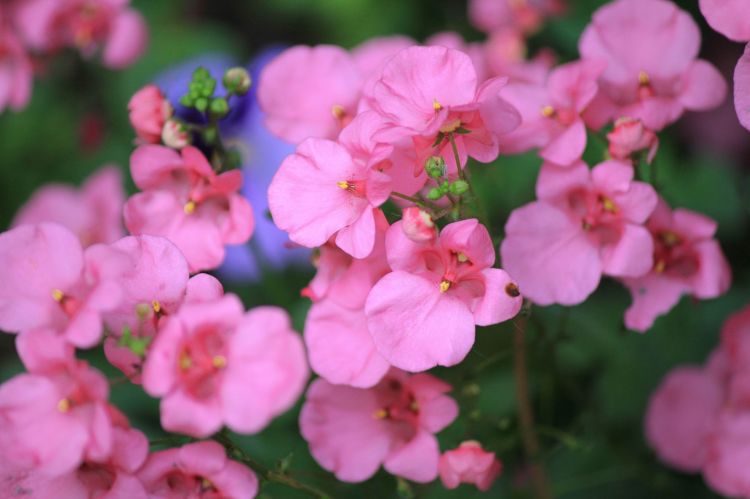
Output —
<point x="219" y="107"/>
<point x="435" y="167"/>
<point x="418" y="225"/>
<point x="174" y="134"/>
<point x="237" y="80"/>
<point x="435" y="193"/>
<point x="630" y="136"/>
<point x="459" y="187"/>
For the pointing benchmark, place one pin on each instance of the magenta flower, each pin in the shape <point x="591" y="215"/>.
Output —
<point x="527" y="15"/>
<point x="652" y="72"/>
<point x="584" y="224"/>
<point x="309" y="92"/>
<point x="323" y="189"/>
<point x="426" y="91"/>
<point x="352" y="432"/>
<point x="551" y="113"/>
<point x="469" y="463"/>
<point x="48" y="281"/>
<point x="185" y="201"/>
<point x="687" y="260"/>
<point x="729" y="454"/>
<point x="16" y="72"/>
<point x="447" y="285"/>
<point x="728" y="17"/>
<point x="148" y="110"/>
<point x="742" y="88"/>
<point x="628" y="137"/>
<point x="93" y="212"/>
<point x="198" y="470"/>
<point x="214" y="365"/>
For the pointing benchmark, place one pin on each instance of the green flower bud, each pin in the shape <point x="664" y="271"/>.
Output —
<point x="201" y="74"/>
<point x="219" y="107"/>
<point x="435" y="193"/>
<point x="201" y="104"/>
<point x="435" y="167"/>
<point x="187" y="101"/>
<point x="459" y="187"/>
<point x="237" y="80"/>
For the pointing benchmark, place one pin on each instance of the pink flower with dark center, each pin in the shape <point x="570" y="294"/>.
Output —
<point x="93" y="212"/>
<point x="48" y="281"/>
<point x="309" y="92"/>
<point x="728" y="17"/>
<point x="424" y="313"/>
<point x="469" y="463"/>
<point x="551" y="113"/>
<point x="652" y="71"/>
<point x="628" y="137"/>
<point x="687" y="260"/>
<point x="584" y="224"/>
<point x="106" y="26"/>
<point x="352" y="432"/>
<point x="198" y="470"/>
<point x="214" y="365"/>
<point x="324" y="189"/>
<point x="187" y="202"/>
<point x="148" y="111"/>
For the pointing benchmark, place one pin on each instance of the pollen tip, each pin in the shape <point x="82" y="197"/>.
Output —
<point x="338" y="111"/>
<point x="380" y="414"/>
<point x="57" y="295"/>
<point x="189" y="207"/>
<point x="63" y="405"/>
<point x="436" y="105"/>
<point x="548" y="111"/>
<point x="444" y="286"/>
<point x="156" y="306"/>
<point x="219" y="361"/>
<point x="343" y="184"/>
<point x="643" y="78"/>
<point x="461" y="257"/>
<point x="660" y="266"/>
<point x="185" y="362"/>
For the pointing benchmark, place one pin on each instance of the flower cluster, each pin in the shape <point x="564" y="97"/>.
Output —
<point x="30" y="29"/>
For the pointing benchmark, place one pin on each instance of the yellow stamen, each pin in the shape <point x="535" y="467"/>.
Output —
<point x="189" y="207"/>
<point x="461" y="257"/>
<point x="156" y="306"/>
<point x="548" y="111"/>
<point x="57" y="295"/>
<point x="207" y="484"/>
<point x="660" y="266"/>
<point x="380" y="414"/>
<point x="185" y="362"/>
<point x="436" y="105"/>
<point x="414" y="406"/>
<point x="444" y="286"/>
<point x="586" y="225"/>
<point x="643" y="78"/>
<point x="219" y="361"/>
<point x="451" y="126"/>
<point x="343" y="184"/>
<point x="609" y="205"/>
<point x="63" y="405"/>
<point x="669" y="238"/>
<point x="338" y="111"/>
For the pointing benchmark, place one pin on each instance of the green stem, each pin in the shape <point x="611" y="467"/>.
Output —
<point x="268" y="474"/>
<point x="463" y="175"/>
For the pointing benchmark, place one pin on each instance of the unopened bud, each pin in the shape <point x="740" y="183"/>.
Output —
<point x="219" y="107"/>
<point x="435" y="193"/>
<point x="435" y="167"/>
<point x="459" y="187"/>
<point x="630" y="136"/>
<point x="418" y="225"/>
<point x="174" y="134"/>
<point x="237" y="80"/>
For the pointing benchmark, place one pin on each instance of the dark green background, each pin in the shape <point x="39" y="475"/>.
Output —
<point x="591" y="378"/>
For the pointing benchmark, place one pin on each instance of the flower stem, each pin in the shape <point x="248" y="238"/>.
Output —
<point x="525" y="412"/>
<point x="266" y="473"/>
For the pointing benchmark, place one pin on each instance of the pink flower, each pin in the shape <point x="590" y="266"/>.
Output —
<point x="687" y="260"/>
<point x="93" y="212"/>
<point x="652" y="73"/>
<point x="148" y="111"/>
<point x="352" y="431"/>
<point x="16" y="72"/>
<point x="56" y="415"/>
<point x="628" y="137"/>
<point x="526" y="15"/>
<point x="728" y="17"/>
<point x="735" y="339"/>
<point x="48" y="281"/>
<point x="742" y="88"/>
<point x="431" y="93"/>
<point x="469" y="463"/>
<point x="681" y="416"/>
<point x="729" y="454"/>
<point x="373" y="53"/>
<point x="188" y="203"/>
<point x="108" y="26"/>
<point x="322" y="190"/>
<point x="584" y="224"/>
<point x="418" y="225"/>
<point x="197" y="470"/>
<point x="214" y="365"/>
<point x="505" y="54"/>
<point x="446" y="286"/>
<point x="309" y="92"/>
<point x="552" y="113"/>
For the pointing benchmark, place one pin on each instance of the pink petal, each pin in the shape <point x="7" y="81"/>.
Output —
<point x="567" y="147"/>
<point x="417" y="460"/>
<point x="127" y="39"/>
<point x="742" y="88"/>
<point x="704" y="87"/>
<point x="728" y="17"/>
<point x="496" y="305"/>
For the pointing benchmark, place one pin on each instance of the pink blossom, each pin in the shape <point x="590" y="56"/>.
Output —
<point x="551" y="113"/>
<point x="729" y="454"/>
<point x="93" y="212"/>
<point x="309" y="92"/>
<point x="505" y="54"/>
<point x="373" y="53"/>
<point x="148" y="111"/>
<point x="469" y="463"/>
<point x="735" y="339"/>
<point x="214" y="365"/>
<point x="446" y="285"/>
<point x="185" y="201"/>
<point x="584" y="224"/>
<point x="16" y="72"/>
<point x="323" y="190"/>
<point x="681" y="416"/>
<point x="628" y="137"/>
<point x="687" y="260"/>
<point x="475" y="50"/>
<point x="48" y="281"/>
<point x="728" y="17"/>
<point x="418" y="225"/>
<point x="652" y="73"/>
<point x="742" y="88"/>
<point x="106" y="26"/>
<point x="526" y="15"/>
<point x="56" y="415"/>
<point x="352" y="432"/>
<point x="431" y="94"/>
<point x="197" y="470"/>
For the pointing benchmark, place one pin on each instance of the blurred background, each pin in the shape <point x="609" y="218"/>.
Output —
<point x="591" y="378"/>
